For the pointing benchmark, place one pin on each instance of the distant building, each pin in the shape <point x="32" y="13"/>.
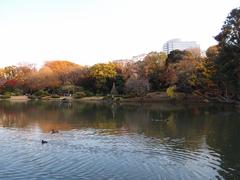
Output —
<point x="139" y="57"/>
<point x="134" y="59"/>
<point x="178" y="44"/>
<point x="123" y="62"/>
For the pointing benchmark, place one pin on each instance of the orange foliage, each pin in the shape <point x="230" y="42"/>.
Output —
<point x="61" y="66"/>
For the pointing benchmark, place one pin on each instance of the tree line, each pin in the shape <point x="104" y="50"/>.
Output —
<point x="215" y="75"/>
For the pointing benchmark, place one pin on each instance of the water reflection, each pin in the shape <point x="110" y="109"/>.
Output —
<point x="203" y="139"/>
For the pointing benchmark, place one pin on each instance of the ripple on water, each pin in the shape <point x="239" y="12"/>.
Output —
<point x="91" y="154"/>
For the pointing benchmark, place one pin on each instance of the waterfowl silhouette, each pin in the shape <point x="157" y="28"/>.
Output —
<point x="44" y="142"/>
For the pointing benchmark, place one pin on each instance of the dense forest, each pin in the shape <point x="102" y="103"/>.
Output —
<point x="216" y="75"/>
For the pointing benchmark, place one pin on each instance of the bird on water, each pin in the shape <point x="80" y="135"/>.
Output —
<point x="44" y="142"/>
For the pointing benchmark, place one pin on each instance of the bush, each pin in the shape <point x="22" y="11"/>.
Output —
<point x="79" y="95"/>
<point x="5" y="96"/>
<point x="55" y="96"/>
<point x="171" y="91"/>
<point x="41" y="93"/>
<point x="32" y="97"/>
<point x="7" y="93"/>
<point x="78" y="89"/>
<point x="89" y="93"/>
<point x="17" y="92"/>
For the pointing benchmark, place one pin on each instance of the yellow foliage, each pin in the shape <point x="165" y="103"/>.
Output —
<point x="171" y="91"/>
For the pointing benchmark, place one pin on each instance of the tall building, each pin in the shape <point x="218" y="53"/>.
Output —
<point x="178" y="44"/>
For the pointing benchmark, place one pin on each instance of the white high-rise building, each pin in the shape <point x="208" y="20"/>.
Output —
<point x="178" y="44"/>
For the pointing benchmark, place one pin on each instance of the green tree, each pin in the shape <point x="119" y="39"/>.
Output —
<point x="177" y="55"/>
<point x="228" y="61"/>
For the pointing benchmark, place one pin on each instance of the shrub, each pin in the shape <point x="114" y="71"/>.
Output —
<point x="79" y="95"/>
<point x="89" y="93"/>
<point x="78" y="89"/>
<point x="171" y="91"/>
<point x="17" y="92"/>
<point x="32" y="97"/>
<point x="5" y="96"/>
<point x="41" y="93"/>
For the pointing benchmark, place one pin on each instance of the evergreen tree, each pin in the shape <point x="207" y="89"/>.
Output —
<point x="228" y="61"/>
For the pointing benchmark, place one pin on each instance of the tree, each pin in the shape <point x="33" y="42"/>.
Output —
<point x="42" y="79"/>
<point x="183" y="75"/>
<point x="10" y="85"/>
<point x="120" y="81"/>
<point x="228" y="60"/>
<point x="206" y="74"/>
<point x="62" y="69"/>
<point x="178" y="55"/>
<point x="181" y="70"/>
<point x="212" y="52"/>
<point x="154" y="65"/>
<point x="196" y="52"/>
<point x="2" y="78"/>
<point x="102" y="70"/>
<point x="103" y="75"/>
<point x="10" y="72"/>
<point x="137" y="85"/>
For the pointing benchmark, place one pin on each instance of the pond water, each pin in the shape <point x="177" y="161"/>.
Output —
<point x="131" y="141"/>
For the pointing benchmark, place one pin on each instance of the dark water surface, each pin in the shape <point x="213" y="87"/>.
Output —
<point x="96" y="141"/>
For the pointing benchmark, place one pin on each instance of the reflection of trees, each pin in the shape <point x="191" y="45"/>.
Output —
<point x="223" y="135"/>
<point x="217" y="124"/>
<point x="182" y="122"/>
<point x="10" y="118"/>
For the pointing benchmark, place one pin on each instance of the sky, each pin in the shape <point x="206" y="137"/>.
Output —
<point x="92" y="31"/>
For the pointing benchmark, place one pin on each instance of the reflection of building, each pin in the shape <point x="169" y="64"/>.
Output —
<point x="178" y="44"/>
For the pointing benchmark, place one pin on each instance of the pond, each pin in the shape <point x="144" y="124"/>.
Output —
<point x="127" y="141"/>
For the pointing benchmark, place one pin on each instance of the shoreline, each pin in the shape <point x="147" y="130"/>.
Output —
<point x="153" y="97"/>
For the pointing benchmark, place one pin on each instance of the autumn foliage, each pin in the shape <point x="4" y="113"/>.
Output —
<point x="215" y="75"/>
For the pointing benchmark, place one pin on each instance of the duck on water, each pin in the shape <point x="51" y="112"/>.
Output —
<point x="44" y="142"/>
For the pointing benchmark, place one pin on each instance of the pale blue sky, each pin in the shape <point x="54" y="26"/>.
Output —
<point x="92" y="31"/>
